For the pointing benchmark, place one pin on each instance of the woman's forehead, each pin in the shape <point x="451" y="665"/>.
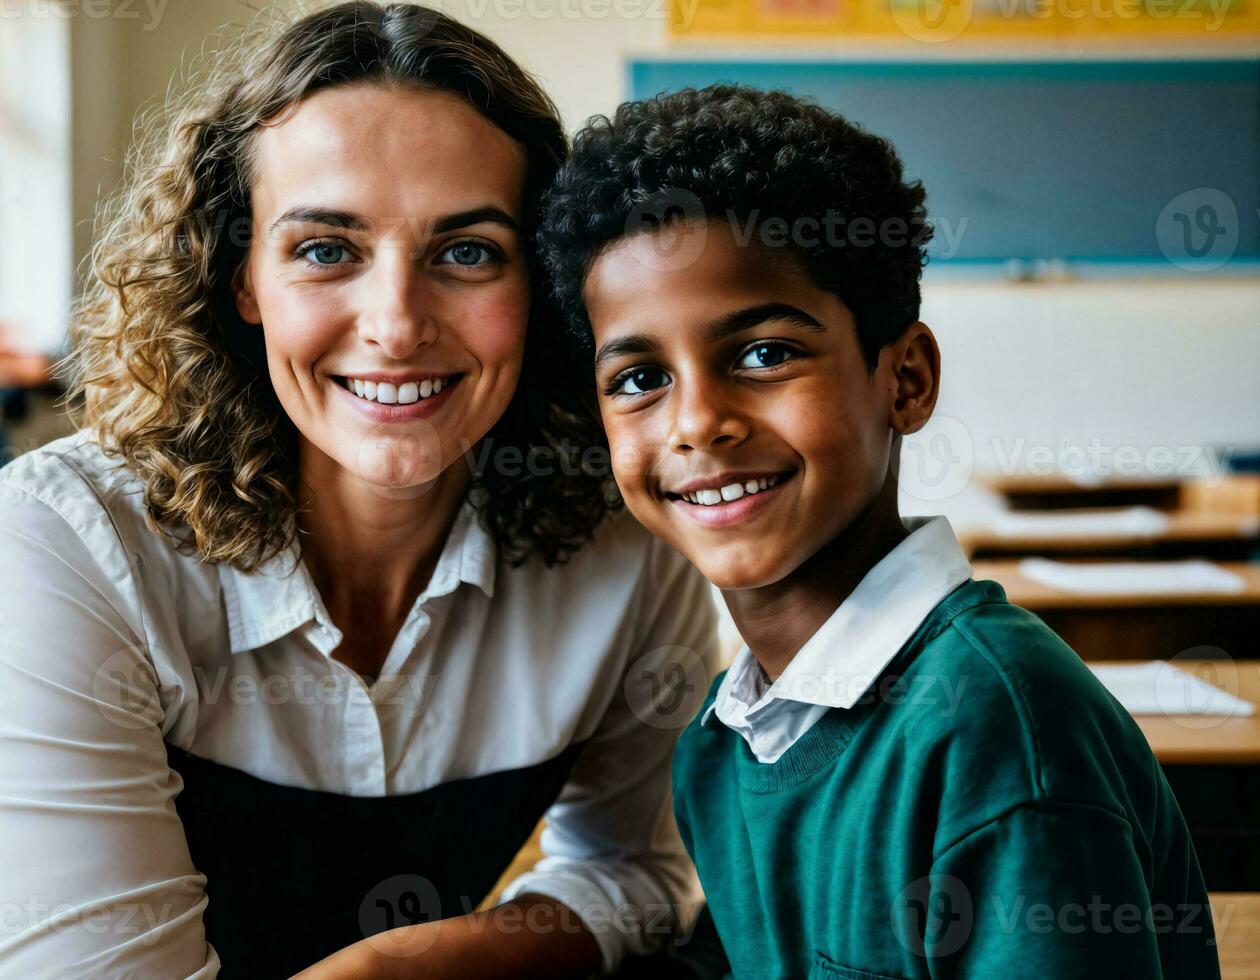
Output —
<point x="388" y="153"/>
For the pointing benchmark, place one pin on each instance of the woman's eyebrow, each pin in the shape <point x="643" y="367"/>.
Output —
<point x="321" y="216"/>
<point x="474" y="216"/>
<point x="305" y="214"/>
<point x="732" y="323"/>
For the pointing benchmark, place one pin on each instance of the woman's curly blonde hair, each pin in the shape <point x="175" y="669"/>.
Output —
<point x="169" y="378"/>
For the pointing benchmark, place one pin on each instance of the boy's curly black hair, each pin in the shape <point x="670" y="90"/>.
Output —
<point x="737" y="153"/>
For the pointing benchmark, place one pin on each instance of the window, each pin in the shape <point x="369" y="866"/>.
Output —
<point x="36" y="249"/>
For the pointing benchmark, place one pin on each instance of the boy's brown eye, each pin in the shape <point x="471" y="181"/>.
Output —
<point x="637" y="381"/>
<point x="765" y="355"/>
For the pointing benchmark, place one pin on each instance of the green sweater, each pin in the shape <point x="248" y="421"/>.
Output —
<point x="1026" y="831"/>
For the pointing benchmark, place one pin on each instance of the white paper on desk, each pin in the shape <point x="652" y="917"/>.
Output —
<point x="1130" y="577"/>
<point x="1158" y="687"/>
<point x="1103" y="523"/>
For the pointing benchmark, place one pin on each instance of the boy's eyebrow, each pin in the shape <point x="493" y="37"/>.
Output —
<point x="752" y="316"/>
<point x="631" y="344"/>
<point x="304" y="214"/>
<point x="723" y="326"/>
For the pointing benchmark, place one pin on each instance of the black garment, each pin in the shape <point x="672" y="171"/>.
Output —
<point x="296" y="874"/>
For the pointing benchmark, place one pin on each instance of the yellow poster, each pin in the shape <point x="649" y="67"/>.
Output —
<point x="932" y="21"/>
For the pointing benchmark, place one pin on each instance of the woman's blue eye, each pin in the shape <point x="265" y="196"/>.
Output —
<point x="637" y="382"/>
<point x="765" y="355"/>
<point x="325" y="253"/>
<point x="469" y="253"/>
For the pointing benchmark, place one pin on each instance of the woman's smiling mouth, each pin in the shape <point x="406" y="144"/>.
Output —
<point x="400" y="398"/>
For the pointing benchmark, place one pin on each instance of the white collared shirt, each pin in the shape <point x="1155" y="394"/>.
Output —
<point x="113" y="642"/>
<point x="839" y="663"/>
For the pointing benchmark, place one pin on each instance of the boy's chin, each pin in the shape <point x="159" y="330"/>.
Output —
<point x="734" y="574"/>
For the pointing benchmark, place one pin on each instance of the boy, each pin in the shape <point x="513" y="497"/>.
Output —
<point x="900" y="775"/>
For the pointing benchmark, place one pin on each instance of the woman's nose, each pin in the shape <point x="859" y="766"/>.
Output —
<point x="397" y="316"/>
<point x="705" y="418"/>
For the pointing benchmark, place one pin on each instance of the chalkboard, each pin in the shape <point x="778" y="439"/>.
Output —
<point x="1082" y="161"/>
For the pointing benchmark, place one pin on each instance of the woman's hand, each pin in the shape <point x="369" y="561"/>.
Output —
<point x="528" y="937"/>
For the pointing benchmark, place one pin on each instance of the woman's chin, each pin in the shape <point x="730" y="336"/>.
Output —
<point x="400" y="464"/>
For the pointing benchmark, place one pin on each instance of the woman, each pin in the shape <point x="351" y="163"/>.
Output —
<point x="291" y="653"/>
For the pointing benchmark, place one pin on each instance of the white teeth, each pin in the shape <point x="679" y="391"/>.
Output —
<point x="394" y="394"/>
<point x="732" y="491"/>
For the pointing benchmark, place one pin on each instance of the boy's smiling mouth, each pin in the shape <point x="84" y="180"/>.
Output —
<point x="728" y="498"/>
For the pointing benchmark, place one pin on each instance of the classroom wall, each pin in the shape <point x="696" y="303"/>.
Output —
<point x="580" y="60"/>
<point x="1117" y="363"/>
<point x="35" y="213"/>
<point x="120" y="65"/>
<point x="1129" y="377"/>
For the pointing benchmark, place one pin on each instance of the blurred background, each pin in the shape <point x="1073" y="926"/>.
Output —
<point x="1093" y="172"/>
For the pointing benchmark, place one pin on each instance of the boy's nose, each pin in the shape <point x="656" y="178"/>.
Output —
<point x="705" y="420"/>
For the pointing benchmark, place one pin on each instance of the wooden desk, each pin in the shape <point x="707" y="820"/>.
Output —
<point x="1237" y="919"/>
<point x="1188" y="533"/>
<point x="1208" y="740"/>
<point x="1141" y="626"/>
<point x="1055" y="492"/>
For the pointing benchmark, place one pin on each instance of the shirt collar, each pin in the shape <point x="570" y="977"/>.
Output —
<point x="280" y="596"/>
<point x="840" y="662"/>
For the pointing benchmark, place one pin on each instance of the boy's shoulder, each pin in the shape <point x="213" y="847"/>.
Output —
<point x="1024" y="713"/>
<point x="987" y="702"/>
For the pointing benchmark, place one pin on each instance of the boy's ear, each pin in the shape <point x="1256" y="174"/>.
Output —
<point x="914" y="361"/>
<point x="243" y="293"/>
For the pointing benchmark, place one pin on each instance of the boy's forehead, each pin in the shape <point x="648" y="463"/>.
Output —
<point x="680" y="272"/>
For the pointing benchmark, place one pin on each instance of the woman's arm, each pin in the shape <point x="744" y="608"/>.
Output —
<point x="614" y="880"/>
<point x="611" y="847"/>
<point x="95" y="876"/>
<point x="531" y="936"/>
